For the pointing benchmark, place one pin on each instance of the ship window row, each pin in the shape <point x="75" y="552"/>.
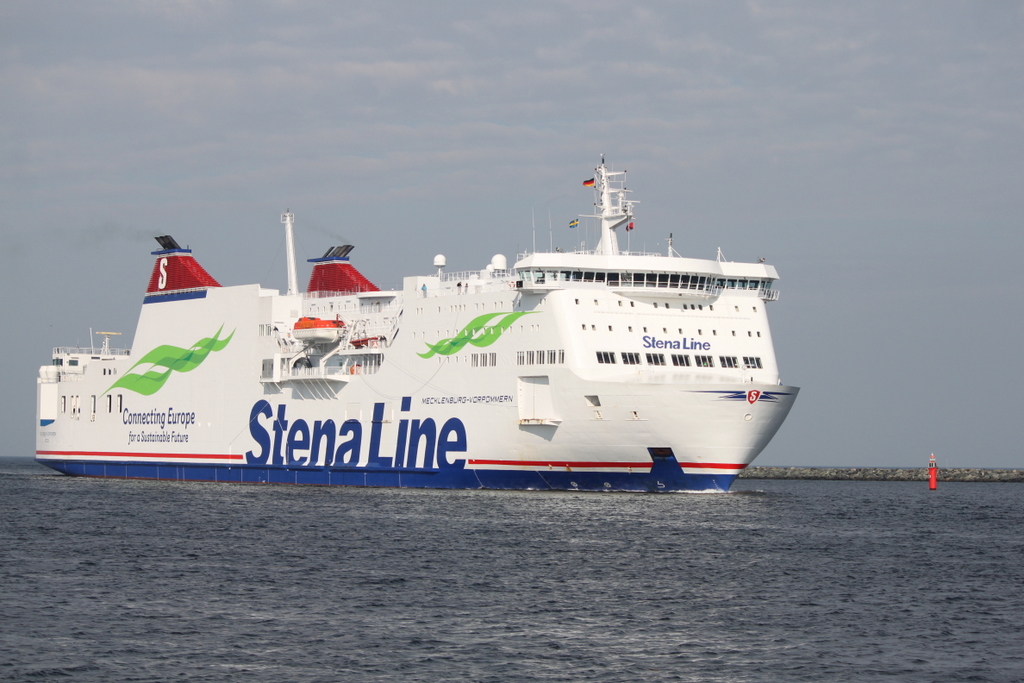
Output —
<point x="541" y="357"/>
<point x="484" y="360"/>
<point x="72" y="404"/>
<point x="682" y="307"/>
<point x="700" y="331"/>
<point x="679" y="360"/>
<point x="690" y="281"/>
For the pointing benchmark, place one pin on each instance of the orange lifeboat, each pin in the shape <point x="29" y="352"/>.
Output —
<point x="318" y="330"/>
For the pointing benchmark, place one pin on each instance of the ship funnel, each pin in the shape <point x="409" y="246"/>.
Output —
<point x="176" y="274"/>
<point x="333" y="274"/>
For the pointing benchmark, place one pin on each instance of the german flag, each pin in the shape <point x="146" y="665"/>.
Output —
<point x="588" y="183"/>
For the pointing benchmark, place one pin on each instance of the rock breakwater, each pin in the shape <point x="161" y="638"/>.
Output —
<point x="883" y="474"/>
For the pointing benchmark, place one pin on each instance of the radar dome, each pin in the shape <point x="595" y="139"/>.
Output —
<point x="439" y="261"/>
<point x="498" y="262"/>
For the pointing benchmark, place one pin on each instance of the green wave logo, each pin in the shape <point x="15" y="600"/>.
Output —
<point x="478" y="333"/>
<point x="165" y="359"/>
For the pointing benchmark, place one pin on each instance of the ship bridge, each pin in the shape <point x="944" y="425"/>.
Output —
<point x="701" y="278"/>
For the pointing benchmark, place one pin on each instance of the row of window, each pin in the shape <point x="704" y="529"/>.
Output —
<point x="543" y="357"/>
<point x="75" y="404"/>
<point x="700" y="331"/>
<point x="484" y="360"/>
<point x="660" y="280"/>
<point x="679" y="360"/>
<point x="682" y="307"/>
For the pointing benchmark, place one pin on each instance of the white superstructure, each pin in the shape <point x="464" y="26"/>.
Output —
<point x="601" y="369"/>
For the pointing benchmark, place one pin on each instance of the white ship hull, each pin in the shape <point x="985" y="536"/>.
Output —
<point x="521" y="379"/>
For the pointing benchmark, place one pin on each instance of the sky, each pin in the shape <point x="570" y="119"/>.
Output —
<point x="872" y="151"/>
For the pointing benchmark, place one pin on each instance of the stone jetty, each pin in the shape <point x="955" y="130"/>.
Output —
<point x="882" y="474"/>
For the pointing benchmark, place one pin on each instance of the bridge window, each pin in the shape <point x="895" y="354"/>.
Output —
<point x="705" y="361"/>
<point x="728" y="361"/>
<point x="606" y="357"/>
<point x="751" y="362"/>
<point x="655" y="359"/>
<point x="630" y="358"/>
<point x="680" y="360"/>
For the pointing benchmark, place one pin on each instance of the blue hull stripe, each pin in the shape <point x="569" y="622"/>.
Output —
<point x="665" y="476"/>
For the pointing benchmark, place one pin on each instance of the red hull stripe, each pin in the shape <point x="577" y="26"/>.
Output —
<point x="712" y="465"/>
<point x="563" y="463"/>
<point x="166" y="456"/>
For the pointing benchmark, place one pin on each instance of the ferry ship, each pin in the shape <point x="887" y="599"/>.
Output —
<point x="593" y="370"/>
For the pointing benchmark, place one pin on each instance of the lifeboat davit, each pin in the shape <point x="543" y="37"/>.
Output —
<point x="318" y="330"/>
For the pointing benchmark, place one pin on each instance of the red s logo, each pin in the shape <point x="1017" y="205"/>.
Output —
<point x="753" y="395"/>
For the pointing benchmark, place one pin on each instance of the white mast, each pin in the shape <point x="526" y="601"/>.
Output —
<point x="613" y="208"/>
<point x="289" y="242"/>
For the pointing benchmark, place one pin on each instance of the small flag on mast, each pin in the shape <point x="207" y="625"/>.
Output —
<point x="574" y="223"/>
<point x="630" y="226"/>
<point x="588" y="183"/>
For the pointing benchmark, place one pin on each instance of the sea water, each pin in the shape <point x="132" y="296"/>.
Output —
<point x="104" y="580"/>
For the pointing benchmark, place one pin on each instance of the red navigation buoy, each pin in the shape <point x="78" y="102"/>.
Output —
<point x="933" y="473"/>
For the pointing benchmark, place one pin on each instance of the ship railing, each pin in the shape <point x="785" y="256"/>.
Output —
<point x="473" y="282"/>
<point x="769" y="294"/>
<point x="89" y="351"/>
<point x="375" y="333"/>
<point x="275" y="370"/>
<point x="329" y="294"/>
<point x="318" y="373"/>
<point x="704" y="291"/>
<point x="708" y="291"/>
<point x="461" y="275"/>
<point x="586" y="252"/>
